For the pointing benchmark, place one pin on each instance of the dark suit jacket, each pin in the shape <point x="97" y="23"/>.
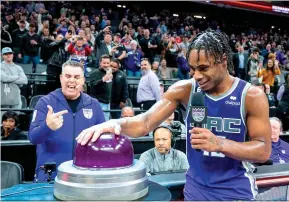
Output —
<point x="236" y="61"/>
<point x="101" y="48"/>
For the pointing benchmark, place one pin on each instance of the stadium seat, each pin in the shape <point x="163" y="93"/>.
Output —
<point x="11" y="174"/>
<point x="34" y="101"/>
<point x="24" y="102"/>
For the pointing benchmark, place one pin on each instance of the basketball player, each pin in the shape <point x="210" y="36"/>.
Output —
<point x="220" y="171"/>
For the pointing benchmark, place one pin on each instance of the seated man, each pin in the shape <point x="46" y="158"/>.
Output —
<point x="266" y="88"/>
<point x="163" y="157"/>
<point x="127" y="112"/>
<point x="280" y="148"/>
<point x="9" y="130"/>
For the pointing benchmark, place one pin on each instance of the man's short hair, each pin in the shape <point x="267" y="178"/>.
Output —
<point x="72" y="63"/>
<point x="165" y="127"/>
<point x="104" y="57"/>
<point x="116" y="61"/>
<point x="11" y="115"/>
<point x="127" y="107"/>
<point x="278" y="120"/>
<point x="256" y="50"/>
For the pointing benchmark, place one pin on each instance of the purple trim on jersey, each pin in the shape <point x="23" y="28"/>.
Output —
<point x="213" y="176"/>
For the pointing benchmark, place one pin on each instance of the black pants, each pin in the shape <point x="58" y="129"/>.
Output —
<point x="115" y="115"/>
<point x="54" y="71"/>
<point x="241" y="74"/>
<point x="148" y="104"/>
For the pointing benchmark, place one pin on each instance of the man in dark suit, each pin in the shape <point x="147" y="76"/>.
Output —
<point x="240" y="60"/>
<point x="103" y="43"/>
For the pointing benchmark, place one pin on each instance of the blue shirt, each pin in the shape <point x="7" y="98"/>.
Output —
<point x="280" y="152"/>
<point x="148" y="88"/>
<point x="241" y="61"/>
<point x="212" y="175"/>
<point x="58" y="146"/>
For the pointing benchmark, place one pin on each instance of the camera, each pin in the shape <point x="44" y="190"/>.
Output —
<point x="49" y="168"/>
<point x="176" y="127"/>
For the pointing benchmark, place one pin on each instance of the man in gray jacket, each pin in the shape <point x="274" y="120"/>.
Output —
<point x="163" y="157"/>
<point x="12" y="76"/>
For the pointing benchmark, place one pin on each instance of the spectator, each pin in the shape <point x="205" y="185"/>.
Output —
<point x="265" y="53"/>
<point x="46" y="39"/>
<point x="269" y="72"/>
<point x="29" y="47"/>
<point x="283" y="97"/>
<point x="38" y="6"/>
<point x="9" y="130"/>
<point x="148" y="45"/>
<point x="79" y="50"/>
<point x="280" y="56"/>
<point x="253" y="65"/>
<point x="280" y="148"/>
<point x="17" y="35"/>
<point x="118" y="50"/>
<point x="62" y="28"/>
<point x="60" y="116"/>
<point x="119" y="92"/>
<point x="103" y="47"/>
<point x="155" y="67"/>
<point x="101" y="84"/>
<point x="30" y="6"/>
<point x="127" y="112"/>
<point x="183" y="67"/>
<point x="240" y="60"/>
<point x="148" y="91"/>
<point x="133" y="60"/>
<point x="6" y="39"/>
<point x="163" y="157"/>
<point x="266" y="89"/>
<point x="12" y="76"/>
<point x="164" y="72"/>
<point x="57" y="59"/>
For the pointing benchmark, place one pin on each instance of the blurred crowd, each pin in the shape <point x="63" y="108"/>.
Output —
<point x="112" y="45"/>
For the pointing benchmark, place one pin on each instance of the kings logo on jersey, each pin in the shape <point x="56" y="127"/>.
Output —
<point x="198" y="113"/>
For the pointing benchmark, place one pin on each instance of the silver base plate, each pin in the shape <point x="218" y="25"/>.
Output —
<point x="129" y="183"/>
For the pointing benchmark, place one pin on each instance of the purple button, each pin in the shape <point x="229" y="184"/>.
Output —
<point x="108" y="151"/>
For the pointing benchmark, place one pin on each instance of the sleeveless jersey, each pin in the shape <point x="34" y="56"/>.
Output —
<point x="212" y="175"/>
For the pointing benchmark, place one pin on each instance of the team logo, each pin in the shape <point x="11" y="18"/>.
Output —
<point x="87" y="113"/>
<point x="233" y="98"/>
<point x="198" y="113"/>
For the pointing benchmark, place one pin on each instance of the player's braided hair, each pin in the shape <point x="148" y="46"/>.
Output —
<point x="214" y="43"/>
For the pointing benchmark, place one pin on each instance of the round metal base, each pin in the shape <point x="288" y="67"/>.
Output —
<point x="129" y="183"/>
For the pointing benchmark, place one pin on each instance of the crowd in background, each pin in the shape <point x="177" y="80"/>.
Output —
<point x="51" y="33"/>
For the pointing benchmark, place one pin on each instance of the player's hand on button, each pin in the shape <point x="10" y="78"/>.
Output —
<point x="111" y="126"/>
<point x="204" y="139"/>
<point x="54" y="120"/>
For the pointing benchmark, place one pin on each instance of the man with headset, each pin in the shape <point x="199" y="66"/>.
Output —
<point x="163" y="157"/>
